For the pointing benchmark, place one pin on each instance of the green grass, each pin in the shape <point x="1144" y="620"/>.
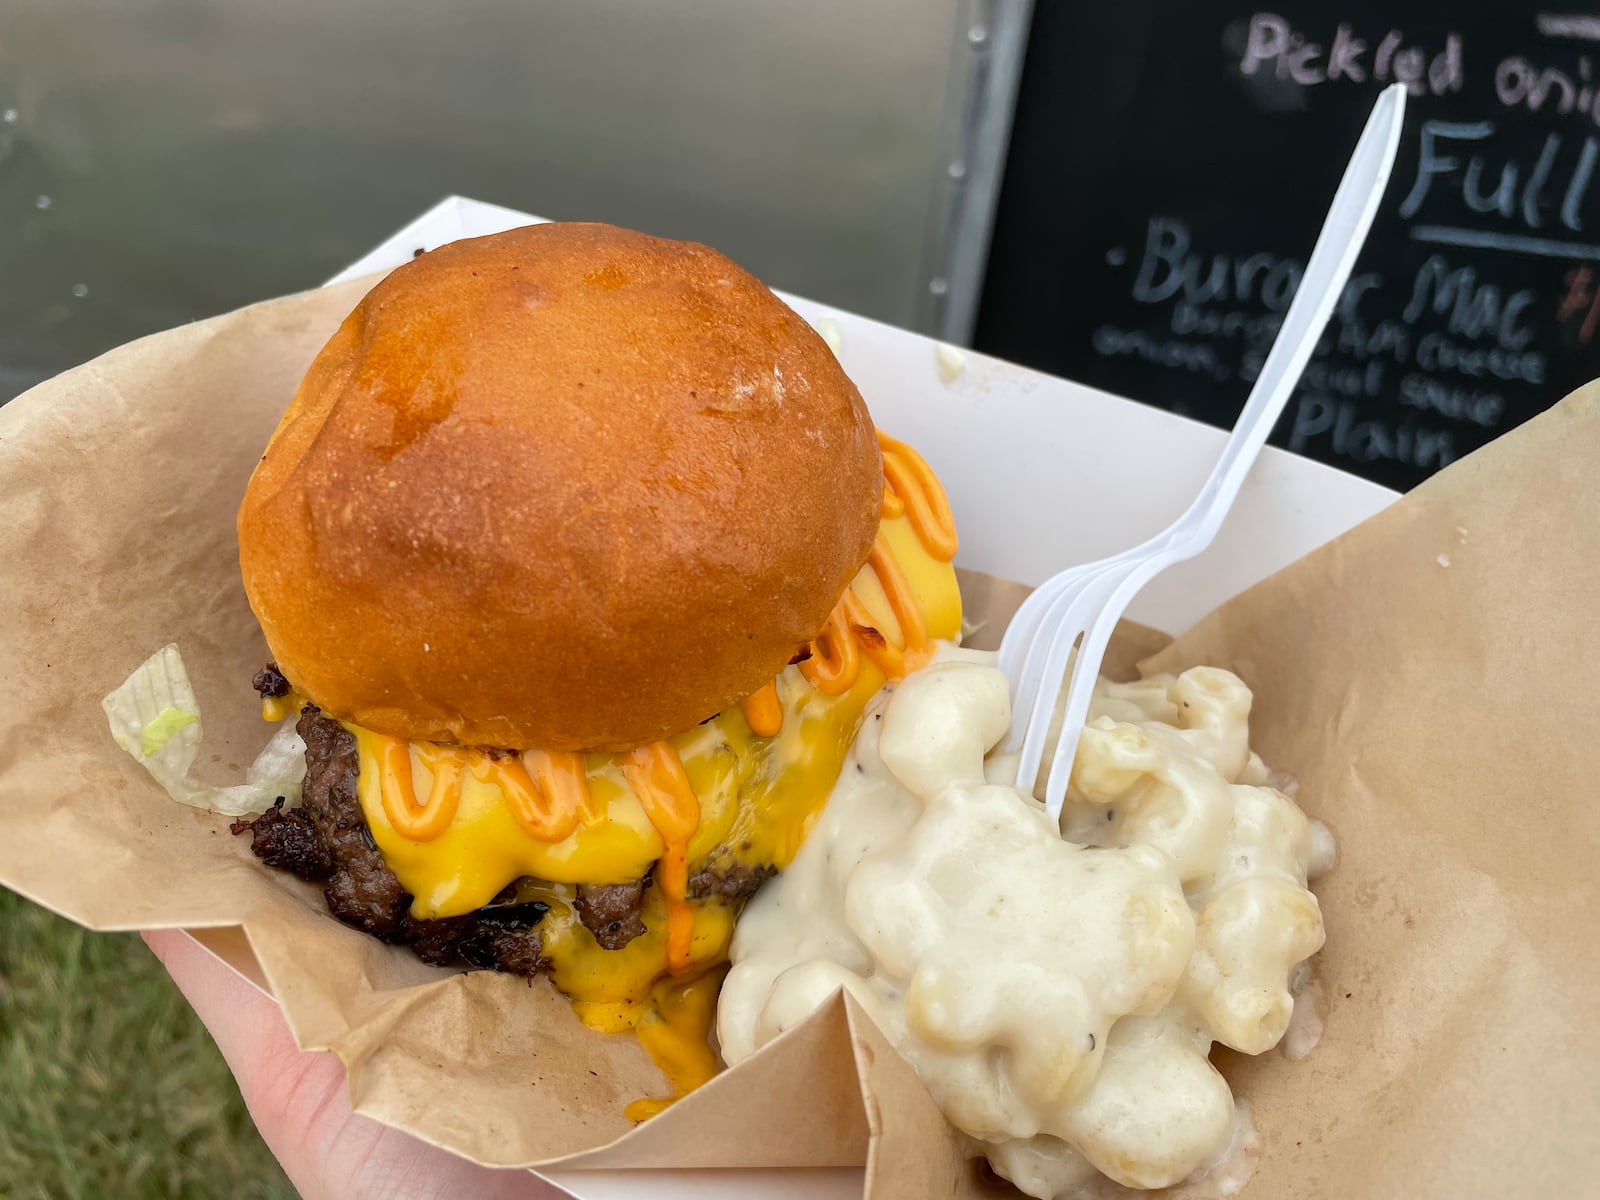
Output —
<point x="109" y="1085"/>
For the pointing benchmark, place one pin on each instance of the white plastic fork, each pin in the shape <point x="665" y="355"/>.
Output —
<point x="1087" y="601"/>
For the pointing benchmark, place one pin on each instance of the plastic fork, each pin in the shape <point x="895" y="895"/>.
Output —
<point x="1080" y="606"/>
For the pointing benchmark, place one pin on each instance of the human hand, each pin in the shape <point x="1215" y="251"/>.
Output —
<point x="300" y="1104"/>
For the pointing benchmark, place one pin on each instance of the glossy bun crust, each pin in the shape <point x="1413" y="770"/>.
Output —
<point x="567" y="487"/>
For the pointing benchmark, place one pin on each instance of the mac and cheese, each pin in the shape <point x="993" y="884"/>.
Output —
<point x="1059" y="997"/>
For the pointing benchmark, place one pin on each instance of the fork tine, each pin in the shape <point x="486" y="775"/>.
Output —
<point x="1048" y="660"/>
<point x="1080" y="689"/>
<point x="1028" y="656"/>
<point x="1031" y="681"/>
<point x="1031" y="674"/>
<point x="1034" y="673"/>
<point x="1021" y="629"/>
<point x="1024" y="626"/>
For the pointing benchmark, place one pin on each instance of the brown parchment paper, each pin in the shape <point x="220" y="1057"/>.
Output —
<point x="1426" y="678"/>
<point x="1436" y="716"/>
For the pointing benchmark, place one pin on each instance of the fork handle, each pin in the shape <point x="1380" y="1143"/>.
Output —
<point x="1338" y="246"/>
<point x="1344" y="232"/>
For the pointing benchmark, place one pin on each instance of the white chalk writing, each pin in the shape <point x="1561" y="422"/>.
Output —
<point x="1273" y="44"/>
<point x="1425" y="361"/>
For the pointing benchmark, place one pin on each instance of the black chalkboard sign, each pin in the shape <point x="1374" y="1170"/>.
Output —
<point x="1170" y="167"/>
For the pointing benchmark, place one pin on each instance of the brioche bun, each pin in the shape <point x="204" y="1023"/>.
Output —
<point x="569" y="487"/>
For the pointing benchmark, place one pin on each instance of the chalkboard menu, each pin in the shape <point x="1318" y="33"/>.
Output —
<point x="1171" y="164"/>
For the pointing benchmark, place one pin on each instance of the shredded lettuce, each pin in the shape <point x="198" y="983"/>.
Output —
<point x="154" y="717"/>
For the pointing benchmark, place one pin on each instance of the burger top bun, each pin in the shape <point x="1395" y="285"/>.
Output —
<point x="568" y="487"/>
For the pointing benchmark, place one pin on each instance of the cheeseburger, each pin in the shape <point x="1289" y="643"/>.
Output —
<point x="579" y="559"/>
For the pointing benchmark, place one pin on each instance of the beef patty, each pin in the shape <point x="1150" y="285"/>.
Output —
<point x="326" y="841"/>
<point x="610" y="911"/>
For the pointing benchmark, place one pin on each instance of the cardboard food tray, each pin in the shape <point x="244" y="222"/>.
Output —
<point x="1404" y="673"/>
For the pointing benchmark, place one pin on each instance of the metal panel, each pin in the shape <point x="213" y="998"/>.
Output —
<point x="161" y="160"/>
<point x="984" y="73"/>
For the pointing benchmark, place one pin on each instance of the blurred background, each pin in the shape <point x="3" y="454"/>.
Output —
<point x="163" y="160"/>
<point x="1121" y="194"/>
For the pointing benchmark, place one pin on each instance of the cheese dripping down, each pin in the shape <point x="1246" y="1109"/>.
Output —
<point x="656" y="774"/>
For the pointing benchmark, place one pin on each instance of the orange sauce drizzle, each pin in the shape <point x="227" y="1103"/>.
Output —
<point x="912" y="482"/>
<point x="762" y="712"/>
<point x="892" y="660"/>
<point x="547" y="793"/>
<point x="420" y="822"/>
<point x="835" y="659"/>
<point x="656" y="775"/>
<point x="912" y="489"/>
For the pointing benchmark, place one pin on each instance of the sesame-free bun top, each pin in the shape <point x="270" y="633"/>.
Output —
<point x="568" y="487"/>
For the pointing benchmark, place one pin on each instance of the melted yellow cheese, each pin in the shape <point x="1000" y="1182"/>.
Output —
<point x="276" y="708"/>
<point x="676" y="1030"/>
